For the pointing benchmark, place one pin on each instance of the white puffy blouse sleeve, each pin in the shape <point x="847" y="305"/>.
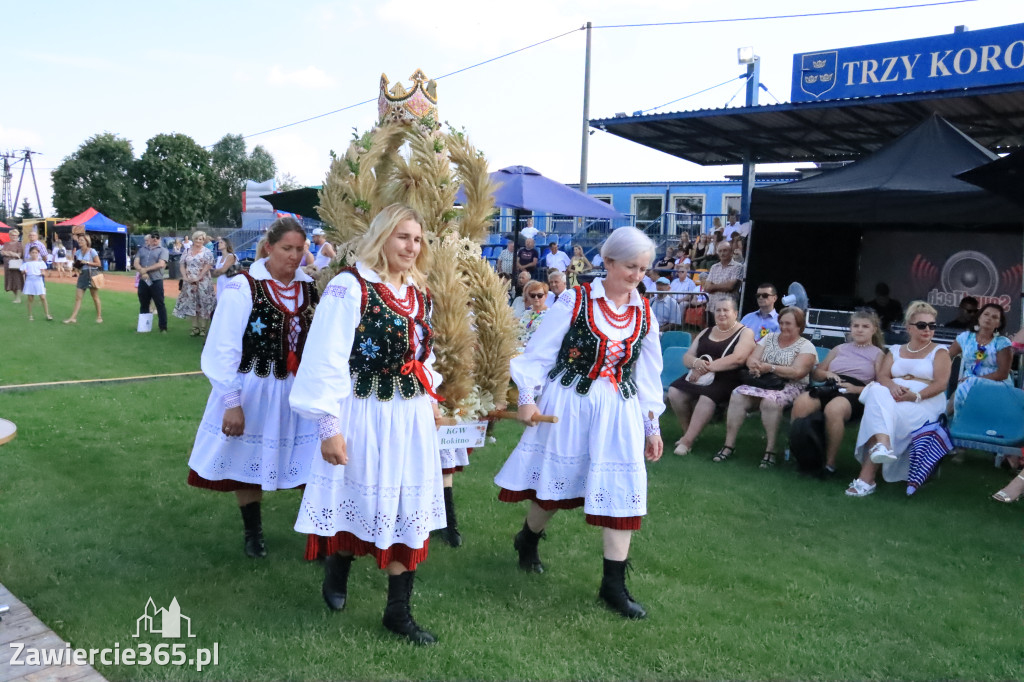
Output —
<point x="648" y="373"/>
<point x="324" y="379"/>
<point x="529" y="371"/>
<point x="223" y="350"/>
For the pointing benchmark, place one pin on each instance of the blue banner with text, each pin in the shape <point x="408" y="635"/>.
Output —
<point x="992" y="56"/>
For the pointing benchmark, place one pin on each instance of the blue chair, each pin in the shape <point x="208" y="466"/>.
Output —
<point x="991" y="419"/>
<point x="673" y="367"/>
<point x="682" y="339"/>
<point x="822" y="353"/>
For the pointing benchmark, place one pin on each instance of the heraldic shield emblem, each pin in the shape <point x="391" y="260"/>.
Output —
<point x="818" y="72"/>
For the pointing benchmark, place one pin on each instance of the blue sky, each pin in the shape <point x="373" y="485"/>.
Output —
<point x="215" y="67"/>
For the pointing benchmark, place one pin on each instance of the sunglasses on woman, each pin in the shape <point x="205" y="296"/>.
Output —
<point x="925" y="325"/>
<point x="536" y="295"/>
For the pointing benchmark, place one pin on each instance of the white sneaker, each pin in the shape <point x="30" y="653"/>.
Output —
<point x="880" y="454"/>
<point x="681" y="449"/>
<point x="859" y="488"/>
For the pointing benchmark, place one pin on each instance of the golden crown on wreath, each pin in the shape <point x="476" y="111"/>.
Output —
<point x="400" y="104"/>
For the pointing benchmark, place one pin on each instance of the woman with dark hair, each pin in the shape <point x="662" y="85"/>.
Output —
<point x="369" y="383"/>
<point x="987" y="354"/>
<point x="778" y="370"/>
<point x="597" y="357"/>
<point x="249" y="440"/>
<point x="849" y="367"/>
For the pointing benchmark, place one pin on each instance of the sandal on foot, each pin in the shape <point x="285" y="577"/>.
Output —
<point x="99" y="320"/>
<point x="71" y="320"/>
<point x="768" y="461"/>
<point x="722" y="455"/>
<point x="859" y="488"/>
<point x="681" y="449"/>
<point x="49" y="318"/>
<point x="194" y="332"/>
<point x="1000" y="496"/>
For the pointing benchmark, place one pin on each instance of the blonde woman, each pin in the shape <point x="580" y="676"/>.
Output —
<point x="578" y="265"/>
<point x="910" y="390"/>
<point x="368" y="380"/>
<point x="535" y="298"/>
<point x="849" y="367"/>
<point x="87" y="262"/>
<point x="197" y="299"/>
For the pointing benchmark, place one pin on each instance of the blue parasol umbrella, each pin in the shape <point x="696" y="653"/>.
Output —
<point x="522" y="188"/>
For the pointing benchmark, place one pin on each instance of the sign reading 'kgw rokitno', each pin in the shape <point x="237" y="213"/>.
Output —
<point x="969" y="59"/>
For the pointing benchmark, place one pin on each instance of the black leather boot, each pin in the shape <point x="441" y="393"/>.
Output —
<point x="526" y="544"/>
<point x="397" y="615"/>
<point x="614" y="593"/>
<point x="254" y="547"/>
<point x="450" y="534"/>
<point x="335" y="588"/>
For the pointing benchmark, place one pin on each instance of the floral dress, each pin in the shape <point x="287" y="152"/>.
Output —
<point x="196" y="299"/>
<point x="977" y="362"/>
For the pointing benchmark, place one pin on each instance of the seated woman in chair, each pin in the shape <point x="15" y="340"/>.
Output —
<point x="987" y="354"/>
<point x="778" y="368"/>
<point x="910" y="391"/>
<point x="721" y="349"/>
<point x="850" y="366"/>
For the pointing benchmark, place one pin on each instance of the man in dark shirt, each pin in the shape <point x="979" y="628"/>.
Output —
<point x="527" y="259"/>
<point x="965" y="314"/>
<point x="889" y="310"/>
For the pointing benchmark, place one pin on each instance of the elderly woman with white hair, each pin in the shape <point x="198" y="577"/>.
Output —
<point x="198" y="298"/>
<point x="597" y="358"/>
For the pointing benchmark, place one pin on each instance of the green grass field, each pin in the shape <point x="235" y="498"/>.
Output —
<point x="746" y="574"/>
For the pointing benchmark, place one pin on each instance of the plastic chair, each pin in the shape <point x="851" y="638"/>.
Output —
<point x="822" y="353"/>
<point x="991" y="419"/>
<point x="673" y="367"/>
<point x="681" y="339"/>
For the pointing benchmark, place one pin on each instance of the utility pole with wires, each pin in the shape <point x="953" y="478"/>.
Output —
<point x="11" y="159"/>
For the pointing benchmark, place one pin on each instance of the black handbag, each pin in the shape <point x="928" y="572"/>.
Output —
<point x="769" y="381"/>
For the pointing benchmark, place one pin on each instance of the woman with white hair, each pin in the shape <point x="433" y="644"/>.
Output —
<point x="198" y="298"/>
<point x="367" y="378"/>
<point x="597" y="358"/>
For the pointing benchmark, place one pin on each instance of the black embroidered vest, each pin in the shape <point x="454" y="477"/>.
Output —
<point x="383" y="360"/>
<point x="265" y="341"/>
<point x="583" y="350"/>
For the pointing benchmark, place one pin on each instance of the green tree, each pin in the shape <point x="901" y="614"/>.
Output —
<point x="99" y="174"/>
<point x="25" y="212"/>
<point x="231" y="167"/>
<point x="286" y="182"/>
<point x="175" y="181"/>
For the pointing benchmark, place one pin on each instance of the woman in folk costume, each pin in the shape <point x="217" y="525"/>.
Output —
<point x="369" y="383"/>
<point x="250" y="440"/>
<point x="598" y="358"/>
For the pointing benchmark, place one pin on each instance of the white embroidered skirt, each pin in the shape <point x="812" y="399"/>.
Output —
<point x="273" y="453"/>
<point x="593" y="455"/>
<point x="390" y="491"/>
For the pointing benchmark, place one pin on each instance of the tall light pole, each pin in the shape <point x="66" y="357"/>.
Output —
<point x="585" y="149"/>
<point x="745" y="55"/>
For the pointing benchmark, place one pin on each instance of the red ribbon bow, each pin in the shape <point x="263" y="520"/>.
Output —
<point x="416" y="367"/>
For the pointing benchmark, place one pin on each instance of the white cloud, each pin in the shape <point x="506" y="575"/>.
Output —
<point x="294" y="154"/>
<point x="18" y="137"/>
<point x="310" y="78"/>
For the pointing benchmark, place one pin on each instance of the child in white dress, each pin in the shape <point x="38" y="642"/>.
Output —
<point x="35" y="285"/>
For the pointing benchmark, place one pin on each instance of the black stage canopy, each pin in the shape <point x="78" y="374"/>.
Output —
<point x="910" y="181"/>
<point x="833" y="130"/>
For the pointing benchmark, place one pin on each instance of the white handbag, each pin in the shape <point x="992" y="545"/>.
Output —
<point x="145" y="323"/>
<point x="701" y="379"/>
